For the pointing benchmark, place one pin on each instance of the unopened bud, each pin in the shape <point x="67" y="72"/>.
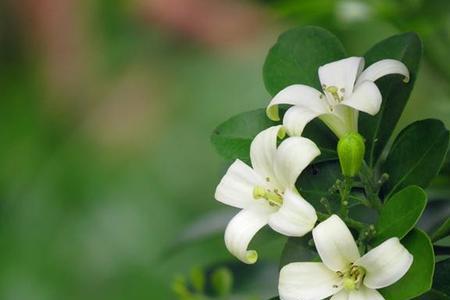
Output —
<point x="222" y="281"/>
<point x="351" y="150"/>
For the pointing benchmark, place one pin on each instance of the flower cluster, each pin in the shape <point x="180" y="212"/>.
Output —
<point x="266" y="191"/>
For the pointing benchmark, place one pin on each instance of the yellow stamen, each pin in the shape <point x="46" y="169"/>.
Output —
<point x="259" y="192"/>
<point x="273" y="197"/>
<point x="349" y="284"/>
<point x="334" y="91"/>
<point x="353" y="278"/>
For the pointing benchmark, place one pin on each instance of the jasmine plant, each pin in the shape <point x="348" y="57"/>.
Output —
<point x="316" y="164"/>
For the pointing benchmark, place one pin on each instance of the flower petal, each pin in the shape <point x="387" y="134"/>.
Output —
<point x="292" y="156"/>
<point x="385" y="264"/>
<point x="296" y="118"/>
<point x="342" y="295"/>
<point x="366" y="98"/>
<point x="342" y="121"/>
<point x="262" y="151"/>
<point x="241" y="230"/>
<point x="298" y="95"/>
<point x="336" y="125"/>
<point x="364" y="293"/>
<point x="382" y="68"/>
<point x="335" y="244"/>
<point x="296" y="216"/>
<point x="341" y="73"/>
<point x="236" y="187"/>
<point x="307" y="281"/>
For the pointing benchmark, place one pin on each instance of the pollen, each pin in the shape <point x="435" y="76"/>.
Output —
<point x="332" y="89"/>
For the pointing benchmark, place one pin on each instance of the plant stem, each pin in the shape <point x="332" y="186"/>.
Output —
<point x="361" y="200"/>
<point x="371" y="187"/>
<point x="344" y="192"/>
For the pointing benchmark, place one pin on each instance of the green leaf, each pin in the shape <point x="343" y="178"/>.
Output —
<point x="416" y="155"/>
<point x="419" y="278"/>
<point x="445" y="170"/>
<point x="232" y="138"/>
<point x="297" y="56"/>
<point x="377" y="130"/>
<point x="297" y="249"/>
<point x="316" y="180"/>
<point x="400" y="214"/>
<point x="324" y="138"/>
<point x="442" y="232"/>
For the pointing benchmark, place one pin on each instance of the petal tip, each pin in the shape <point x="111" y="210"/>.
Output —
<point x="282" y="133"/>
<point x="273" y="113"/>
<point x="251" y="257"/>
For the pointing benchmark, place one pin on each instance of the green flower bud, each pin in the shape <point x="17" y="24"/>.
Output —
<point x="222" y="281"/>
<point x="198" y="279"/>
<point x="351" y="150"/>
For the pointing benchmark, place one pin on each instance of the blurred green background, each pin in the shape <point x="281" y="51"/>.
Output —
<point x="106" y="172"/>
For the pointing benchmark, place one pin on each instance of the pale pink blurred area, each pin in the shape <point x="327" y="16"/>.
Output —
<point x="131" y="111"/>
<point x="216" y="23"/>
<point x="57" y="38"/>
<point x="118" y="110"/>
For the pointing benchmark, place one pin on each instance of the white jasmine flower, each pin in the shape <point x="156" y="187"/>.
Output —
<point x="344" y="275"/>
<point x="266" y="191"/>
<point x="347" y="89"/>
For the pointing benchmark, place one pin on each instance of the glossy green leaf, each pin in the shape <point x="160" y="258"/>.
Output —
<point x="400" y="214"/>
<point x="419" y="278"/>
<point x="324" y="138"/>
<point x="442" y="232"/>
<point x="297" y="249"/>
<point x="316" y="180"/>
<point x="445" y="170"/>
<point x="232" y="138"/>
<point x="416" y="155"/>
<point x="297" y="56"/>
<point x="377" y="130"/>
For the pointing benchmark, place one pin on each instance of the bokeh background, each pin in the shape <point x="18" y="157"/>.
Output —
<point x="106" y="171"/>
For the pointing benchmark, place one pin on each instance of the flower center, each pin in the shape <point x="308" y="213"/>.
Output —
<point x="352" y="278"/>
<point x="335" y="95"/>
<point x="273" y="196"/>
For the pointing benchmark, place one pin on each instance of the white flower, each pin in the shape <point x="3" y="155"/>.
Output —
<point x="266" y="193"/>
<point x="344" y="275"/>
<point x="347" y="89"/>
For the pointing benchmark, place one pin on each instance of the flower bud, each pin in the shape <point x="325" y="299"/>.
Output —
<point x="222" y="282"/>
<point x="351" y="150"/>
